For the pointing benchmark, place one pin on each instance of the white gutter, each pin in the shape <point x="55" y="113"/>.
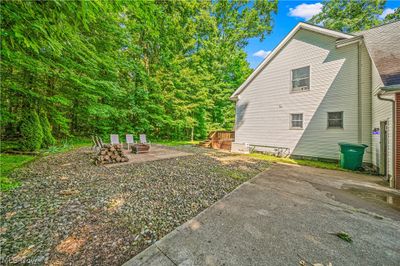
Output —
<point x="345" y="42"/>
<point x="379" y="95"/>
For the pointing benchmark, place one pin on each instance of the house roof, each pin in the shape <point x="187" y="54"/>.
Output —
<point x="299" y="26"/>
<point x="383" y="44"/>
<point x="391" y="88"/>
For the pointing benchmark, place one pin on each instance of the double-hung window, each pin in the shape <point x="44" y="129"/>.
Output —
<point x="296" y="121"/>
<point x="301" y="79"/>
<point x="335" y="119"/>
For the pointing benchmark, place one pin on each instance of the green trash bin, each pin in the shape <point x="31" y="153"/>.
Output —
<point x="351" y="155"/>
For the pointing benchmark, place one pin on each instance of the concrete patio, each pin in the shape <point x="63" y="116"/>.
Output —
<point x="156" y="152"/>
<point x="287" y="215"/>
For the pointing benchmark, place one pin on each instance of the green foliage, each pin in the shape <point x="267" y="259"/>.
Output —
<point x="7" y="164"/>
<point x="201" y="127"/>
<point x="350" y="16"/>
<point x="394" y="16"/>
<point x="99" y="67"/>
<point x="344" y="236"/>
<point x="10" y="145"/>
<point x="69" y="144"/>
<point x="31" y="131"/>
<point x="48" y="139"/>
<point x="7" y="184"/>
<point x="173" y="143"/>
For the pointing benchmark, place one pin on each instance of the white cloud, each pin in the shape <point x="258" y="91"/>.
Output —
<point x="386" y="12"/>
<point x="262" y="53"/>
<point x="305" y="11"/>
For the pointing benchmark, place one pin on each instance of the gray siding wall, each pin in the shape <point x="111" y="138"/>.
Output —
<point x="264" y="107"/>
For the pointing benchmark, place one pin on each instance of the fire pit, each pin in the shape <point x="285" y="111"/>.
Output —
<point x="140" y="148"/>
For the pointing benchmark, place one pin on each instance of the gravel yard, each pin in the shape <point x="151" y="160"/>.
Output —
<point x="69" y="211"/>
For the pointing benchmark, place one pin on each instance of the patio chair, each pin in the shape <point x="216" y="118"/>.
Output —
<point x="129" y="140"/>
<point x="143" y="139"/>
<point x="114" y="139"/>
<point x="100" y="141"/>
<point x="95" y="144"/>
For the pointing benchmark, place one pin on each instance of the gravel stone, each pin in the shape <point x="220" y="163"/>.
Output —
<point x="69" y="211"/>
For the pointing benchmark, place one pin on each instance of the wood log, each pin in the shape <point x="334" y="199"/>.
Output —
<point x="111" y="154"/>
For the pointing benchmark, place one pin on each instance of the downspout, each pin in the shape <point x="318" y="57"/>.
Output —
<point x="359" y="137"/>
<point x="379" y="95"/>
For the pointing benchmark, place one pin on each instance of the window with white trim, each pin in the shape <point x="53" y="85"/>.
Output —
<point x="335" y="119"/>
<point x="301" y="79"/>
<point x="296" y="121"/>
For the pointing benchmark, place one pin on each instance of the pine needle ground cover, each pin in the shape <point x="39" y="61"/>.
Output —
<point x="69" y="211"/>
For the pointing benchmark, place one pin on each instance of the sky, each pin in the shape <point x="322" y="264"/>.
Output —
<point x="289" y="14"/>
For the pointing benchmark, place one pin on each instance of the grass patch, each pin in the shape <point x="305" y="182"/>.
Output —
<point x="232" y="173"/>
<point x="8" y="163"/>
<point x="177" y="142"/>
<point x="312" y="163"/>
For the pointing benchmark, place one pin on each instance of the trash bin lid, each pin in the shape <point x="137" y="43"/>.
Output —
<point x="355" y="145"/>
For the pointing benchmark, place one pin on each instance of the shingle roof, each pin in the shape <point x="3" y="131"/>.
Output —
<point x="383" y="44"/>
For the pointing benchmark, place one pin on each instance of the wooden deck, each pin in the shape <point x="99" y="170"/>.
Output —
<point x="219" y="140"/>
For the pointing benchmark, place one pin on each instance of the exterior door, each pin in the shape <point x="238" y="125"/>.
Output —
<point x="383" y="168"/>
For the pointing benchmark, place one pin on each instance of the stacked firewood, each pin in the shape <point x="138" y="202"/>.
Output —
<point x="111" y="154"/>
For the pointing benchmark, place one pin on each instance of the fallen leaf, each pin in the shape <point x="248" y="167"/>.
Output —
<point x="70" y="245"/>
<point x="10" y="214"/>
<point x="68" y="192"/>
<point x="344" y="236"/>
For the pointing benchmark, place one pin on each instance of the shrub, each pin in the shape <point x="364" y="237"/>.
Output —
<point x="48" y="139"/>
<point x="31" y="131"/>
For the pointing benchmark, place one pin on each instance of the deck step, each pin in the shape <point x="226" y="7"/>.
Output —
<point x="219" y="140"/>
<point x="206" y="143"/>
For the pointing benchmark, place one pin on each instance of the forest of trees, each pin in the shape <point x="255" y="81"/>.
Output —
<point x="164" y="68"/>
<point x="76" y="68"/>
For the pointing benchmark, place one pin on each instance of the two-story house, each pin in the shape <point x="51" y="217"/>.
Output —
<point x="319" y="87"/>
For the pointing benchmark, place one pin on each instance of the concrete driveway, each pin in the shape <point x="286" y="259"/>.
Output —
<point x="288" y="215"/>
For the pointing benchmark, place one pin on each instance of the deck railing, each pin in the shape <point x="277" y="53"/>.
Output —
<point x="222" y="139"/>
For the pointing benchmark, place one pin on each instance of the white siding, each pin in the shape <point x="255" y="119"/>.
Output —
<point x="381" y="111"/>
<point x="264" y="107"/>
